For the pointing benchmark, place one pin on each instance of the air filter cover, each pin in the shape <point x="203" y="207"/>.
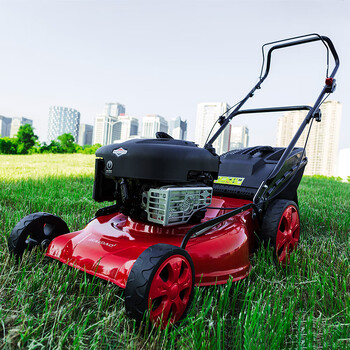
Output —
<point x="170" y="205"/>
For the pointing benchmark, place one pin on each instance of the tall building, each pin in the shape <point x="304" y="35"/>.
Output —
<point x="239" y="137"/>
<point x="106" y="129"/>
<point x="63" y="120"/>
<point x="207" y="115"/>
<point x="152" y="123"/>
<point x="114" y="109"/>
<point x="17" y="122"/>
<point x="126" y="127"/>
<point x="85" y="134"/>
<point x="178" y="128"/>
<point x="5" y="126"/>
<point x="110" y="129"/>
<point x="322" y="146"/>
<point x="107" y="126"/>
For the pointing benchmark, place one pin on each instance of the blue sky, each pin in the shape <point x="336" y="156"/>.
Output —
<point x="164" y="57"/>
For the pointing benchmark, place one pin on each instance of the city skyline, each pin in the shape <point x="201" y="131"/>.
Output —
<point x="325" y="156"/>
<point x="169" y="71"/>
<point x="322" y="142"/>
<point x="114" y="125"/>
<point x="11" y="133"/>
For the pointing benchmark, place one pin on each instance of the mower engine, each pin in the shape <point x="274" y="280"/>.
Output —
<point x="163" y="181"/>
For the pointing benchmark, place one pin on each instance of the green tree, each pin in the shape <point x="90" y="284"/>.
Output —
<point x="26" y="138"/>
<point x="78" y="148"/>
<point x="36" y="148"/>
<point x="67" y="143"/>
<point x="8" y="145"/>
<point x="90" y="149"/>
<point x="53" y="147"/>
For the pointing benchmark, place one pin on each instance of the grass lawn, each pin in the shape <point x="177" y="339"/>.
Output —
<point x="50" y="305"/>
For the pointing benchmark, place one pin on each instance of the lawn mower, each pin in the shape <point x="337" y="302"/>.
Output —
<point x="183" y="215"/>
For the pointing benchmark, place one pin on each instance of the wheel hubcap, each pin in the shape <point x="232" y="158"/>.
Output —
<point x="40" y="234"/>
<point x="170" y="291"/>
<point x="288" y="234"/>
<point x="174" y="291"/>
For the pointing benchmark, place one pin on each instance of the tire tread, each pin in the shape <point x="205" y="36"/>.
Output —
<point x="141" y="275"/>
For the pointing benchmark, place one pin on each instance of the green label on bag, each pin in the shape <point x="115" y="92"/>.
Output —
<point x="226" y="180"/>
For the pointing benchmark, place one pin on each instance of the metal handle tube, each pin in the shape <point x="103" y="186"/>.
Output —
<point x="300" y="42"/>
<point x="275" y="109"/>
<point x="267" y="69"/>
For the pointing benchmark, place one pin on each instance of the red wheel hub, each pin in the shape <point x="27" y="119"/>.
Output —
<point x="170" y="290"/>
<point x="288" y="233"/>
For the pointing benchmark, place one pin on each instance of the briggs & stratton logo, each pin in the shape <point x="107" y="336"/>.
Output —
<point x="120" y="151"/>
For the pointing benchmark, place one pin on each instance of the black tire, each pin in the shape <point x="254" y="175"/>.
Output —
<point x="150" y="270"/>
<point x="278" y="231"/>
<point x="37" y="229"/>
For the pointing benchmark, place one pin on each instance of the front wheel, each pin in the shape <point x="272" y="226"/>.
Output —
<point x="281" y="228"/>
<point x="162" y="282"/>
<point x="37" y="229"/>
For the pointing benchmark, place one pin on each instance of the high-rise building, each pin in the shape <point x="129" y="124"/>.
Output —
<point x="17" y="122"/>
<point x="207" y="115"/>
<point x="63" y="120"/>
<point x="178" y="128"/>
<point x="127" y="127"/>
<point x="322" y="146"/>
<point x="5" y="126"/>
<point x="106" y="129"/>
<point x="114" y="109"/>
<point x="152" y="123"/>
<point x="85" y="134"/>
<point x="110" y="129"/>
<point x="239" y="137"/>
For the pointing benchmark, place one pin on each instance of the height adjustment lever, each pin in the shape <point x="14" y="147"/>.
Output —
<point x="330" y="85"/>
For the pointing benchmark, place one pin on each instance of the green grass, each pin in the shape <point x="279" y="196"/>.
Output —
<point x="50" y="305"/>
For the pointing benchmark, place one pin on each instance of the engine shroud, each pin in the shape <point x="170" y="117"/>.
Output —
<point x="124" y="172"/>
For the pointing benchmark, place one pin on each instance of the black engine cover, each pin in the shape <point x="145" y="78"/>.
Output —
<point x="164" y="160"/>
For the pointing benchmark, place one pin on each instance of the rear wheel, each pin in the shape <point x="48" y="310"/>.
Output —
<point x="162" y="282"/>
<point x="37" y="229"/>
<point x="281" y="228"/>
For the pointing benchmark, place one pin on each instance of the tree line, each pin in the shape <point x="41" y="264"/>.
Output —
<point x="26" y="142"/>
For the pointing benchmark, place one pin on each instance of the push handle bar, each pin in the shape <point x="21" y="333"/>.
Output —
<point x="293" y="42"/>
<point x="330" y="81"/>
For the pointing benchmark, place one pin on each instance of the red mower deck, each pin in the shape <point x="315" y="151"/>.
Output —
<point x="109" y="245"/>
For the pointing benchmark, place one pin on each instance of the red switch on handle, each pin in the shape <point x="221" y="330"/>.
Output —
<point x="329" y="81"/>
